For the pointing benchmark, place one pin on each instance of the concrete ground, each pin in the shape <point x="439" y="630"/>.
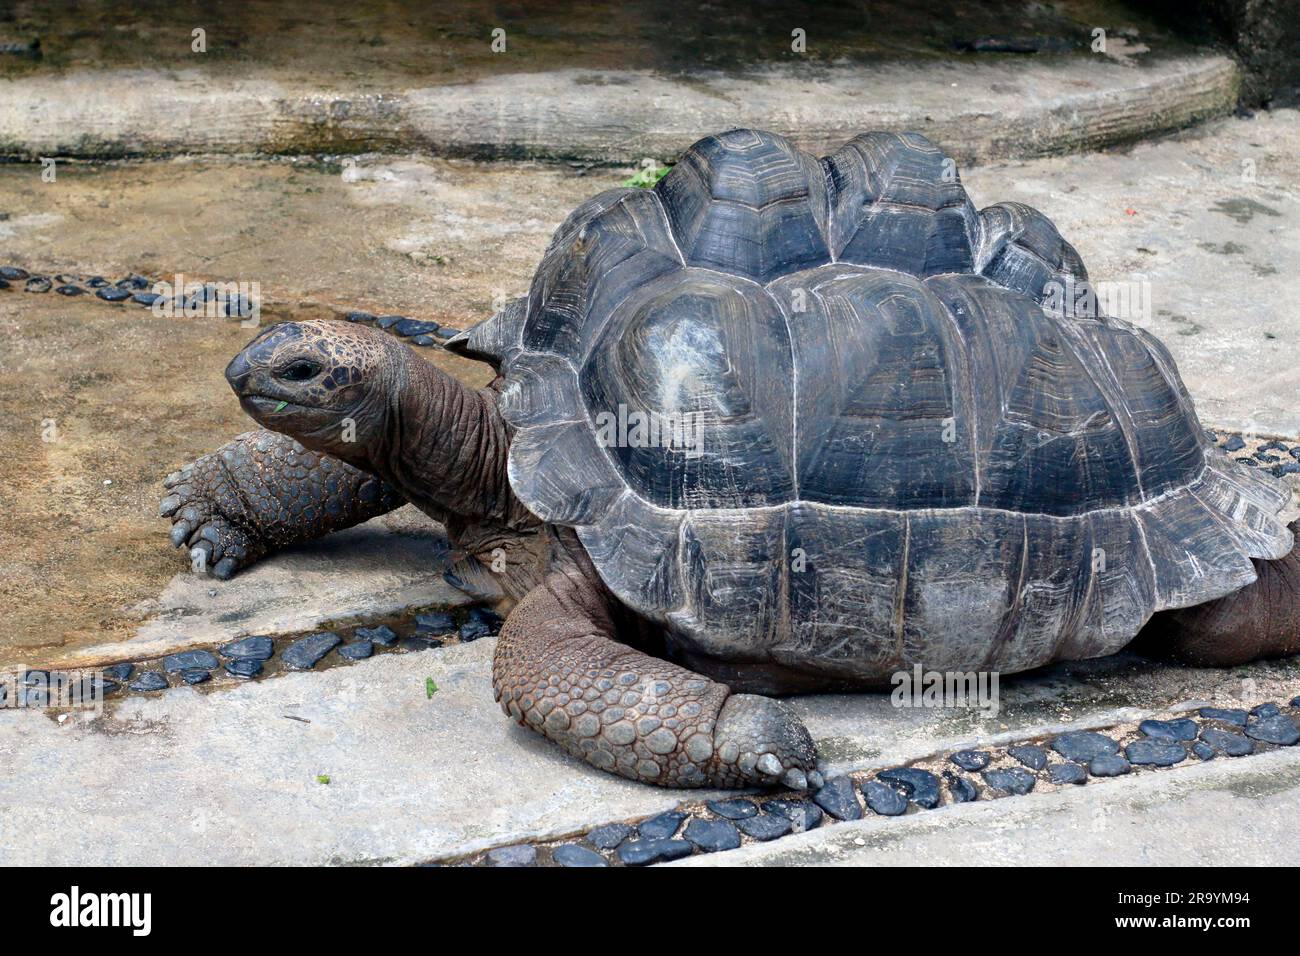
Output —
<point x="231" y="776"/>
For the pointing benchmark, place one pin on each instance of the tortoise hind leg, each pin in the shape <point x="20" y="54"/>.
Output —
<point x="1260" y="620"/>
<point x="559" y="670"/>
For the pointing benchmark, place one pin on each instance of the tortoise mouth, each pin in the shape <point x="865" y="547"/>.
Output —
<point x="270" y="405"/>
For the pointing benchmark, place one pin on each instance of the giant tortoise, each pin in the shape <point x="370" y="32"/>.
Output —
<point x="778" y="424"/>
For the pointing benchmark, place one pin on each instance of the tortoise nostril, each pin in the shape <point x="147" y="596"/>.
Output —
<point x="237" y="371"/>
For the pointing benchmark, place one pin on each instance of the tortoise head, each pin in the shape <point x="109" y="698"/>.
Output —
<point x="327" y="384"/>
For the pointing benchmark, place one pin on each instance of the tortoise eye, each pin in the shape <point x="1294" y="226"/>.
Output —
<point x="300" y="371"/>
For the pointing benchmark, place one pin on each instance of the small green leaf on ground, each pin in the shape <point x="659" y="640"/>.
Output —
<point x="322" y="778"/>
<point x="430" y="688"/>
<point x="281" y="407"/>
<point x="647" y="177"/>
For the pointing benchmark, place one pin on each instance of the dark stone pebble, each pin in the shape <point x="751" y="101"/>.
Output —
<point x="38" y="284"/>
<point x="765" y="826"/>
<point x="12" y="272"/>
<point x="961" y="788"/>
<point x="190" y="660"/>
<point x="971" y="759"/>
<point x="571" y="854"/>
<point x="1011" y="780"/>
<point x="383" y="635"/>
<point x="439" y="622"/>
<point x="487" y="616"/>
<point x="146" y="298"/>
<point x="357" y="651"/>
<point x="1084" y="746"/>
<point x="149" y="680"/>
<point x="133" y="282"/>
<point x="1247" y="461"/>
<point x="446" y="333"/>
<point x="1035" y="758"/>
<point x="1154" y="752"/>
<point x="1230" y="716"/>
<point x="1295" y="452"/>
<point x="610" y="836"/>
<point x="1062" y="774"/>
<point x="1266" y="710"/>
<point x="408" y="327"/>
<point x="1234" y="745"/>
<point x="195" y="675"/>
<point x="239" y="307"/>
<point x="643" y="852"/>
<point x="244" y="668"/>
<point x="837" y="798"/>
<point x="473" y="630"/>
<point x="1108" y="765"/>
<point x="1278" y="729"/>
<point x="257" y="648"/>
<point x="112" y="294"/>
<point x="920" y="786"/>
<point x="1184" y="728"/>
<point x="712" y="836"/>
<point x="884" y="799"/>
<point x="304" y="653"/>
<point x="424" y="340"/>
<point x="1295" y="701"/>
<point x="419" y="642"/>
<point x="803" y="814"/>
<point x="360" y="316"/>
<point x="1289" y="468"/>
<point x="736" y="809"/>
<point x="1266" y="458"/>
<point x="1234" y="443"/>
<point x="520" y="855"/>
<point x="661" y="827"/>
<point x="1203" y="750"/>
<point x="70" y="290"/>
<point x="388" y="321"/>
<point x="119" y="672"/>
<point x="96" y="282"/>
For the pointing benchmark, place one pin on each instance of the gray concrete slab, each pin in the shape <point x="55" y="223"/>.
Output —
<point x="984" y="108"/>
<point x="1223" y="813"/>
<point x="230" y="775"/>
<point x="1208" y="225"/>
<point x="376" y="569"/>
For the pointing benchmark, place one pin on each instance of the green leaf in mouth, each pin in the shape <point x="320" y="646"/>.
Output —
<point x="282" y="406"/>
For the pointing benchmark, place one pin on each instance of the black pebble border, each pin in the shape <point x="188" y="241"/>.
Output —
<point x="259" y="656"/>
<point x="136" y="289"/>
<point x="1074" y="758"/>
<point x="1278" y="456"/>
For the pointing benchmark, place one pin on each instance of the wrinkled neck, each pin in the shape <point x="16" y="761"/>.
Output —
<point x="444" y="446"/>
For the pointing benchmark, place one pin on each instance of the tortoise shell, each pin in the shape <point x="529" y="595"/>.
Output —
<point x="826" y="414"/>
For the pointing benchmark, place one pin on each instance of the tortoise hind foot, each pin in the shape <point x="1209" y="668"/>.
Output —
<point x="261" y="492"/>
<point x="1261" y="620"/>
<point x="559" y="670"/>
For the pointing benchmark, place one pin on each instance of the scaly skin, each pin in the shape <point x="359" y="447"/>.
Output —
<point x="560" y="670"/>
<point x="262" y="492"/>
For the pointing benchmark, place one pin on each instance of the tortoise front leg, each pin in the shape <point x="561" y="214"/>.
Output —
<point x="559" y="670"/>
<point x="264" y="491"/>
